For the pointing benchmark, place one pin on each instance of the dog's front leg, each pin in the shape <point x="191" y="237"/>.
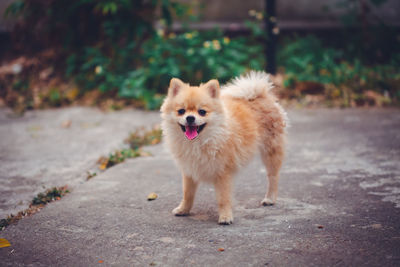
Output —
<point x="223" y="189"/>
<point x="189" y="191"/>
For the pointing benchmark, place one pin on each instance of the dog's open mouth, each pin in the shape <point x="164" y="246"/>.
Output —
<point x="192" y="131"/>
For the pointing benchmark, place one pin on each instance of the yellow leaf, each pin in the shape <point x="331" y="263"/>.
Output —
<point x="72" y="94"/>
<point x="4" y="243"/>
<point x="103" y="166"/>
<point x="152" y="196"/>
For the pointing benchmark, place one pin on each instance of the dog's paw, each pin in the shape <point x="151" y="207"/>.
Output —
<point x="225" y="219"/>
<point x="267" y="202"/>
<point x="179" y="211"/>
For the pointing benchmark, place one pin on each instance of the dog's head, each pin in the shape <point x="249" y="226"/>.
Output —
<point x="192" y="109"/>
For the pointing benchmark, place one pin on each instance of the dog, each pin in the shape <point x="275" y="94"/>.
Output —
<point x="213" y="131"/>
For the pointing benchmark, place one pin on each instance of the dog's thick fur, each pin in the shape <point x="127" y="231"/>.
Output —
<point x="239" y="119"/>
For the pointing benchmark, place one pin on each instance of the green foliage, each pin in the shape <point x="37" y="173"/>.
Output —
<point x="55" y="97"/>
<point x="76" y="24"/>
<point x="307" y="59"/>
<point x="364" y="56"/>
<point x="50" y="195"/>
<point x="112" y="46"/>
<point x="15" y="8"/>
<point x="37" y="203"/>
<point x="141" y="138"/>
<point x="192" y="56"/>
<point x="21" y="85"/>
<point x="98" y="42"/>
<point x="136" y="141"/>
<point x="121" y="155"/>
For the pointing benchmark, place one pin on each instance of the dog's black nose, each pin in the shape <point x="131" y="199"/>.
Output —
<point x="190" y="119"/>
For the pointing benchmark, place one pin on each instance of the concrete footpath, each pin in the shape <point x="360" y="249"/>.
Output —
<point x="338" y="203"/>
<point x="56" y="147"/>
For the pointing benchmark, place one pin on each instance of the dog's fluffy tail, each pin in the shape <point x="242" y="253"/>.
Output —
<point x="249" y="86"/>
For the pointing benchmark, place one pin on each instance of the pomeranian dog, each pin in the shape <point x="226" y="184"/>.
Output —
<point x="212" y="132"/>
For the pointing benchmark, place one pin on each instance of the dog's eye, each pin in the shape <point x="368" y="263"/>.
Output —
<point x="181" y="111"/>
<point x="202" y="112"/>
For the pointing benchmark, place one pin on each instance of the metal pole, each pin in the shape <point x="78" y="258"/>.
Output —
<point x="270" y="25"/>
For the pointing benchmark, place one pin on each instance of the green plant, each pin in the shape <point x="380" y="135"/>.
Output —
<point x="113" y="47"/>
<point x="38" y="202"/>
<point x="307" y="59"/>
<point x="78" y="24"/>
<point x="142" y="137"/>
<point x="192" y="56"/>
<point x="50" y="195"/>
<point x="97" y="42"/>
<point x="136" y="141"/>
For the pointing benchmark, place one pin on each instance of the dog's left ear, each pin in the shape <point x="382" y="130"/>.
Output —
<point x="213" y="88"/>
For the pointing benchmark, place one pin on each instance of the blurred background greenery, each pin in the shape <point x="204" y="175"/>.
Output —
<point x="114" y="53"/>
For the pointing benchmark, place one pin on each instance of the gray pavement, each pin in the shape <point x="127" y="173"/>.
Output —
<point x="338" y="205"/>
<point x="57" y="147"/>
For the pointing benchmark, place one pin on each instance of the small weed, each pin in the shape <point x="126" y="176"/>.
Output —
<point x="38" y="202"/>
<point x="141" y="137"/>
<point x="90" y="175"/>
<point x="136" y="141"/>
<point x="56" y="193"/>
<point x="117" y="157"/>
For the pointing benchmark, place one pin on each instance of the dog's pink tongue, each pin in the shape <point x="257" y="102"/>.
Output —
<point x="191" y="132"/>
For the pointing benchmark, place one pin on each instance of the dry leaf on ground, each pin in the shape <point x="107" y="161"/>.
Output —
<point x="152" y="196"/>
<point x="4" y="243"/>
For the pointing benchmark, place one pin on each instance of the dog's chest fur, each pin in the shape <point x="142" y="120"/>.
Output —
<point x="199" y="162"/>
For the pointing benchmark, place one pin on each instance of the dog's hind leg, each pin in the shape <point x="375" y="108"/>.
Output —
<point x="272" y="156"/>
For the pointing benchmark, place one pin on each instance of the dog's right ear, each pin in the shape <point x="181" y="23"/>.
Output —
<point x="175" y="85"/>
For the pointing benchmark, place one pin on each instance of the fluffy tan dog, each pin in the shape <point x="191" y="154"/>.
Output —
<point x="212" y="132"/>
